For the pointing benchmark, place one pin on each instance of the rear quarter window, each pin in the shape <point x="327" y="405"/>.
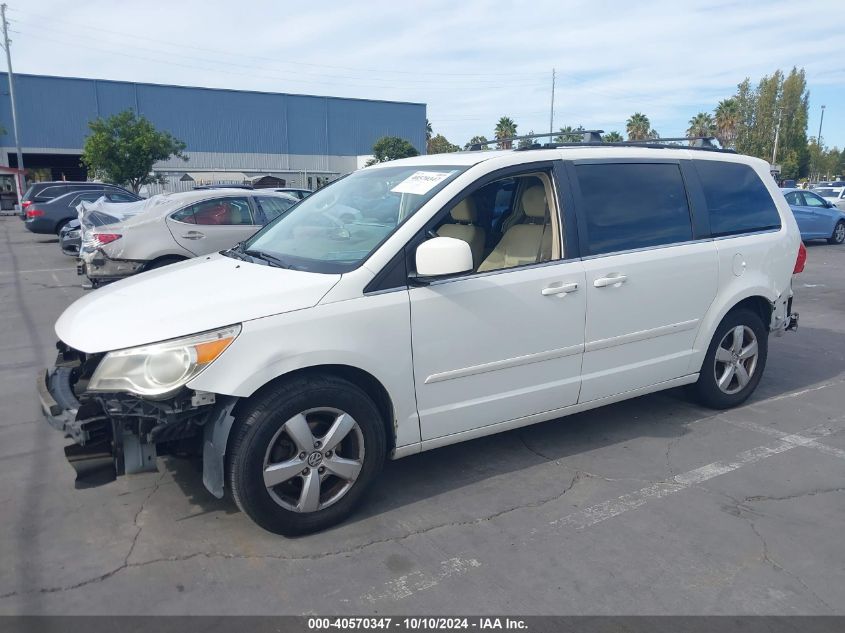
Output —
<point x="737" y="200"/>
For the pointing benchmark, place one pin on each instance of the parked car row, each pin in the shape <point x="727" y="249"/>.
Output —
<point x="818" y="217"/>
<point x="115" y="233"/>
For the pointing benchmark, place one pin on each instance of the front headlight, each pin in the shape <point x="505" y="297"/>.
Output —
<point x="161" y="369"/>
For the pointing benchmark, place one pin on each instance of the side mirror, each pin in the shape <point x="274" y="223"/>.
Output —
<point x="442" y="256"/>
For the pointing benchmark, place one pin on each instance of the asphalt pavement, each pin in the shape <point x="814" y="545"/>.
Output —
<point x="651" y="506"/>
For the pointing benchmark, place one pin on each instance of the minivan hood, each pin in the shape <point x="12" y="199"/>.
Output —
<point x="192" y="296"/>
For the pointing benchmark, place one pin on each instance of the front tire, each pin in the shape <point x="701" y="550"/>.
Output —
<point x="734" y="362"/>
<point x="838" y="236"/>
<point x="303" y="454"/>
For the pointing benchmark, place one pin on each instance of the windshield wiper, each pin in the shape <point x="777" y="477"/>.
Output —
<point x="270" y="259"/>
<point x="236" y="252"/>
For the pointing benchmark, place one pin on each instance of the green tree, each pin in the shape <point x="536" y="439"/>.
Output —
<point x="440" y="145"/>
<point x="476" y="140"/>
<point x="505" y="128"/>
<point x="428" y="130"/>
<point x="779" y="99"/>
<point x="123" y="149"/>
<point x="638" y="127"/>
<point x="727" y="121"/>
<point x="390" y="148"/>
<point x="701" y="124"/>
<point x="612" y="137"/>
<point x="527" y="142"/>
<point x="569" y="134"/>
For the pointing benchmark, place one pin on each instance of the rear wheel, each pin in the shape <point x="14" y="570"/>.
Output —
<point x="734" y="362"/>
<point x="303" y="454"/>
<point x="838" y="236"/>
<point x="161" y="262"/>
<point x="62" y="224"/>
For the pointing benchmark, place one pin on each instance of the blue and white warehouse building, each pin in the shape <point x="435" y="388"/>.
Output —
<point x="303" y="140"/>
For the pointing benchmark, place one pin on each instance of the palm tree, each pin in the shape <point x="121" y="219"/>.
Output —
<point x="727" y="121"/>
<point x="638" y="127"/>
<point x="428" y="131"/>
<point x="505" y="128"/>
<point x="701" y="125"/>
<point x="569" y="134"/>
<point x="612" y="137"/>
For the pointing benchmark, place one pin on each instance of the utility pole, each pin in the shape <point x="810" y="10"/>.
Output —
<point x="19" y="179"/>
<point x="819" y="145"/>
<point x="552" y="114"/>
<point x="777" y="135"/>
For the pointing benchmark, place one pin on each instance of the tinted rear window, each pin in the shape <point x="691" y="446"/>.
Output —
<point x="633" y="205"/>
<point x="737" y="199"/>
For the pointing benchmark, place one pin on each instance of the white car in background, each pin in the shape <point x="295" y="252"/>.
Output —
<point x="834" y="195"/>
<point x="168" y="228"/>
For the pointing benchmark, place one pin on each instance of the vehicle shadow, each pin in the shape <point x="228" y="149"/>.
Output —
<point x="792" y="366"/>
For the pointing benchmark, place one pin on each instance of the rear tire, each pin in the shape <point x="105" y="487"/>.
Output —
<point x="838" y="236"/>
<point x="61" y="225"/>
<point x="734" y="362"/>
<point x="284" y="435"/>
<point x="162" y="262"/>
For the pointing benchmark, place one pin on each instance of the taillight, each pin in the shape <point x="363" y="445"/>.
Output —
<point x="25" y="204"/>
<point x="106" y="238"/>
<point x="34" y="213"/>
<point x="800" y="260"/>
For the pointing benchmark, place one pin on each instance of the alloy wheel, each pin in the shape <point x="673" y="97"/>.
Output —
<point x="839" y="233"/>
<point x="313" y="459"/>
<point x="736" y="359"/>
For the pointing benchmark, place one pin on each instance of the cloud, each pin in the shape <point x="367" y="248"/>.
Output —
<point x="471" y="62"/>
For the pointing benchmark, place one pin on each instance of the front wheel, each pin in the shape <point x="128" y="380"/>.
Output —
<point x="303" y="454"/>
<point x="734" y="362"/>
<point x="838" y="236"/>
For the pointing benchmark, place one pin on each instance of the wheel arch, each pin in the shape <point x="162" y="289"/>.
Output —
<point x="761" y="300"/>
<point x="218" y="430"/>
<point x="368" y="383"/>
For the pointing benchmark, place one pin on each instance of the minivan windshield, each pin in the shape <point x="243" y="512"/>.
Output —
<point x="336" y="228"/>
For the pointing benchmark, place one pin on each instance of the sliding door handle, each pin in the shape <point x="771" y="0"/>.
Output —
<point x="613" y="280"/>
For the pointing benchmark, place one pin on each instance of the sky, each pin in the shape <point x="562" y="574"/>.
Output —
<point x="470" y="61"/>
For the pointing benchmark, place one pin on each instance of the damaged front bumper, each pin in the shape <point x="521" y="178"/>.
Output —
<point x="116" y="434"/>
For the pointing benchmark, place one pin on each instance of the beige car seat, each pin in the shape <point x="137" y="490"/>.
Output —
<point x="525" y="243"/>
<point x="463" y="228"/>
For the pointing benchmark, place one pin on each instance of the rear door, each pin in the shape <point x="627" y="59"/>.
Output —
<point x="213" y="225"/>
<point x="650" y="274"/>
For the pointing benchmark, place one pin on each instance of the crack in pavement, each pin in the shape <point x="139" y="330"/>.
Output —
<point x="797" y="495"/>
<point x="577" y="477"/>
<point x="742" y="512"/>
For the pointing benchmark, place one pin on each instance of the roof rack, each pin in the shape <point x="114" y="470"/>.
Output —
<point x="587" y="136"/>
<point x="592" y="138"/>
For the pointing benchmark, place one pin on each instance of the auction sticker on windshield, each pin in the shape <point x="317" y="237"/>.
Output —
<point x="421" y="182"/>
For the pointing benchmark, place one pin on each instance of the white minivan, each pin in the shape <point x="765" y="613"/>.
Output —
<point x="428" y="301"/>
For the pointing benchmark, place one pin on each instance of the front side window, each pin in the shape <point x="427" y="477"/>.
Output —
<point x="336" y="228"/>
<point x="507" y="223"/>
<point x="814" y="201"/>
<point x="633" y="205"/>
<point x="737" y="200"/>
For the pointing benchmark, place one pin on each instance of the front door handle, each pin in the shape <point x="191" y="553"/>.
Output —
<point x="613" y="279"/>
<point x="560" y="290"/>
<point x="193" y="235"/>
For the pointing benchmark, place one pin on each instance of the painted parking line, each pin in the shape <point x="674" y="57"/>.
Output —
<point x="37" y="270"/>
<point x="409" y="584"/>
<point x="759" y="428"/>
<point x="631" y="501"/>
